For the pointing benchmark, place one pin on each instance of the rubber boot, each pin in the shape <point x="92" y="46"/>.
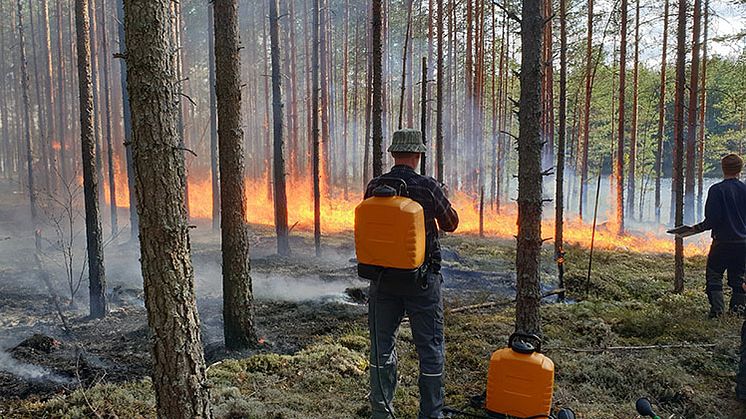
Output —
<point x="738" y="304"/>
<point x="717" y="303"/>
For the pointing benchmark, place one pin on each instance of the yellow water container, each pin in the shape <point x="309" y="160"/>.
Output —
<point x="390" y="232"/>
<point x="520" y="380"/>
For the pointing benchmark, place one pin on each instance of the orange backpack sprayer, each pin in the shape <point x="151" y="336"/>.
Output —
<point x="390" y="235"/>
<point x="520" y="380"/>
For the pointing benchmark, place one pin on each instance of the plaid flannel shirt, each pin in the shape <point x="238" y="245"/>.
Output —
<point x="429" y="193"/>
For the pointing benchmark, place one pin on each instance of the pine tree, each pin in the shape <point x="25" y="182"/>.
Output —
<point x="179" y="377"/>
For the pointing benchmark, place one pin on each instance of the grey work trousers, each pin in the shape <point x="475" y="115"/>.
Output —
<point x="388" y="303"/>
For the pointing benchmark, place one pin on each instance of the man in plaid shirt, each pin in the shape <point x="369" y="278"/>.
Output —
<point x="421" y="301"/>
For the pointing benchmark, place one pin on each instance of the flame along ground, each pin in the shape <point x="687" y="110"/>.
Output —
<point x="337" y="215"/>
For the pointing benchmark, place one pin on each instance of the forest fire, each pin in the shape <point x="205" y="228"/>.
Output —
<point x="337" y="215"/>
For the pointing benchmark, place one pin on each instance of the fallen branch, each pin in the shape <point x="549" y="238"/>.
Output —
<point x="634" y="348"/>
<point x="500" y="303"/>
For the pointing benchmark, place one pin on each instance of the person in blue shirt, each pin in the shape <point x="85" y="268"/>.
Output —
<point x="725" y="216"/>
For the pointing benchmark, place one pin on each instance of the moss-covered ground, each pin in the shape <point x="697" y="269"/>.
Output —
<point x="627" y="303"/>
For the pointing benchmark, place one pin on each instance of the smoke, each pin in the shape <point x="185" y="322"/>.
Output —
<point x="278" y="286"/>
<point x="28" y="371"/>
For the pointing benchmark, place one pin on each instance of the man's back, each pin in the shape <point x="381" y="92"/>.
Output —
<point x="725" y="211"/>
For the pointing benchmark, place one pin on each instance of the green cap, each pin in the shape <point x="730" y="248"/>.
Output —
<point x="407" y="141"/>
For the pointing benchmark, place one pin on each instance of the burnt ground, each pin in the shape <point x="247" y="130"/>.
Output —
<point x="298" y="300"/>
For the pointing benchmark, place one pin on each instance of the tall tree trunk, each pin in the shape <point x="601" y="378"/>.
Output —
<point x="423" y="115"/>
<point x="127" y="124"/>
<point x="439" y="97"/>
<point x="678" y="162"/>
<point x="50" y="95"/>
<point x="280" y="196"/>
<point x="61" y="106"/>
<point x="619" y="164"/>
<point x="179" y="376"/>
<point x="238" y="311"/>
<point x="661" y="117"/>
<point x="44" y="144"/>
<point x="377" y="87"/>
<point x="105" y="63"/>
<point x="631" y="170"/>
<point x="94" y="235"/>
<point x="315" y="128"/>
<point x="702" y="116"/>
<point x="345" y="99"/>
<point x="8" y="152"/>
<point x="324" y="69"/>
<point x="586" y="113"/>
<point x="96" y="80"/>
<point x="691" y="137"/>
<point x="559" y="201"/>
<point x="27" y="123"/>
<point x="528" y="249"/>
<point x="404" y="63"/>
<point x="214" y="169"/>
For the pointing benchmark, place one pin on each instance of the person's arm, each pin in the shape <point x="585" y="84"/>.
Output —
<point x="713" y="211"/>
<point x="445" y="214"/>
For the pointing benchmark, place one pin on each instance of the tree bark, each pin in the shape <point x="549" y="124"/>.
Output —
<point x="619" y="164"/>
<point x="528" y="249"/>
<point x="702" y="116"/>
<point x="423" y="116"/>
<point x="280" y="196"/>
<point x="50" y="94"/>
<point x="97" y="276"/>
<point x="238" y="311"/>
<point x="377" y="68"/>
<point x="559" y="201"/>
<point x="439" y="97"/>
<point x="691" y="137"/>
<point x="586" y="113"/>
<point x="661" y="117"/>
<point x="315" y="129"/>
<point x="631" y="170"/>
<point x="27" y="120"/>
<point x="107" y="116"/>
<point x="179" y="377"/>
<point x="214" y="169"/>
<point x="678" y="162"/>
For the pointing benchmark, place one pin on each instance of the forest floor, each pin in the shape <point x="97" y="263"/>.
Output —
<point x="313" y="363"/>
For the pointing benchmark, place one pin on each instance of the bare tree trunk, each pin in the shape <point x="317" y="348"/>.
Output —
<point x="559" y="201"/>
<point x="280" y="196"/>
<point x="691" y="137"/>
<point x="678" y="162"/>
<point x="107" y="116"/>
<point x="179" y="377"/>
<point x="97" y="276"/>
<point x="631" y="170"/>
<point x="8" y="152"/>
<point x="61" y="106"/>
<point x="238" y="311"/>
<point x="214" y="170"/>
<point x="377" y="93"/>
<point x="404" y="63"/>
<point x="44" y="144"/>
<point x="423" y="116"/>
<point x="345" y="99"/>
<point x="439" y="97"/>
<point x="702" y="116"/>
<point x="619" y="166"/>
<point x="127" y="125"/>
<point x="528" y="250"/>
<point x="315" y="128"/>
<point x="50" y="96"/>
<point x="661" y="117"/>
<point x="586" y="113"/>
<point x="27" y="122"/>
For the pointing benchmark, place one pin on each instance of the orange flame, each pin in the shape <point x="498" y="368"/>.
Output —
<point x="337" y="215"/>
